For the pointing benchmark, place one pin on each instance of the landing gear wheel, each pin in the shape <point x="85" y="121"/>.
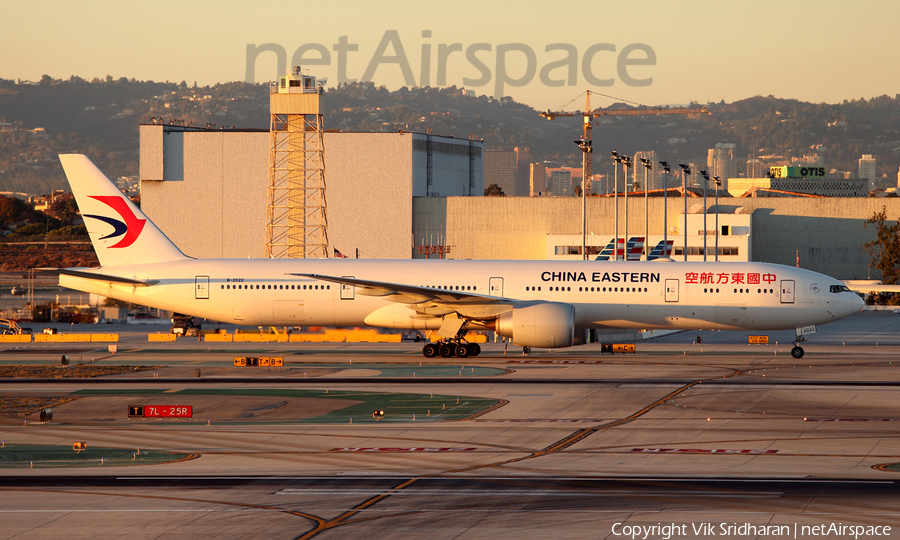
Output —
<point x="430" y="350"/>
<point x="474" y="349"/>
<point x="797" y="352"/>
<point x="462" y="351"/>
<point x="526" y="350"/>
<point x="446" y="350"/>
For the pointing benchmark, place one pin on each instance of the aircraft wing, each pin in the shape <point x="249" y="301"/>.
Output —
<point x="427" y="300"/>
<point x="100" y="277"/>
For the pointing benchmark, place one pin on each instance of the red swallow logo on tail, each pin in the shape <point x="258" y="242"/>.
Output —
<point x="129" y="229"/>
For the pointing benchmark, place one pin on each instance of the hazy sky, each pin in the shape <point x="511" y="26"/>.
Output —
<point x="822" y="51"/>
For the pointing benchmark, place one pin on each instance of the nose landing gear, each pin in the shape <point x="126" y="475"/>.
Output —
<point x="797" y="351"/>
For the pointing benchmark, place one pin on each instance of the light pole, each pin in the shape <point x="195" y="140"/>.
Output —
<point x="718" y="183"/>
<point x="685" y="170"/>
<point x="705" y="176"/>
<point x="649" y="166"/>
<point x="626" y="162"/>
<point x="586" y="148"/>
<point x="666" y="170"/>
<point x="616" y="160"/>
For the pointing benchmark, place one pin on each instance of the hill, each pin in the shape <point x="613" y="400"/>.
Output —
<point x="100" y="118"/>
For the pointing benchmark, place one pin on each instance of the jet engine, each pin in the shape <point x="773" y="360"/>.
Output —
<point x="543" y="324"/>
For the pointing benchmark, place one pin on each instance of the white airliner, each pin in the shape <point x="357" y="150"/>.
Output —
<point x="535" y="303"/>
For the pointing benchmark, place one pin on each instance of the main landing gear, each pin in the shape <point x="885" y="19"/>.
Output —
<point x="448" y="348"/>
<point x="455" y="346"/>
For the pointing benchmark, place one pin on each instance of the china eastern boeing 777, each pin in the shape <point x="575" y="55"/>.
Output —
<point x="535" y="303"/>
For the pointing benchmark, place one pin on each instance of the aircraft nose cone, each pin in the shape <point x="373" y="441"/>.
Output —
<point x="858" y="303"/>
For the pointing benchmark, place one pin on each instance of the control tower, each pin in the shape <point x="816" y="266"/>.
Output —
<point x="296" y="219"/>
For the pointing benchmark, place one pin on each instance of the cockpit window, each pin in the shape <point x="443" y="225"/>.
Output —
<point x="839" y="288"/>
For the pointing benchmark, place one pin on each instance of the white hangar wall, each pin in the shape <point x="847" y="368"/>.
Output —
<point x="207" y="190"/>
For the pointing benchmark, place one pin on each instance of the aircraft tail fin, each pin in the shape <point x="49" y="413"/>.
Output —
<point x="635" y="248"/>
<point x="662" y="250"/>
<point x="607" y="252"/>
<point x="120" y="233"/>
<point x="614" y="250"/>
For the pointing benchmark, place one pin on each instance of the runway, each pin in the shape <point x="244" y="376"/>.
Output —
<point x="565" y="443"/>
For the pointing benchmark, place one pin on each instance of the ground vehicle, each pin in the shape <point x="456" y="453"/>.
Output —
<point x="185" y="325"/>
<point x="12" y="328"/>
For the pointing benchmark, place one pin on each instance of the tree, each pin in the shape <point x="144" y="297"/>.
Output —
<point x="10" y="209"/>
<point x="494" y="190"/>
<point x="64" y="208"/>
<point x="885" y="249"/>
<point x="577" y="190"/>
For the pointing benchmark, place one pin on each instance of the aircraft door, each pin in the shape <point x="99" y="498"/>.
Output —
<point x="671" y="290"/>
<point x="787" y="291"/>
<point x="496" y="286"/>
<point x="348" y="292"/>
<point x="201" y="287"/>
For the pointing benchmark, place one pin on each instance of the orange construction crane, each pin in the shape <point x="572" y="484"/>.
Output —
<point x="589" y="116"/>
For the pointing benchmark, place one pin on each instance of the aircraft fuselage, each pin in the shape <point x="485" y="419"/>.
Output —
<point x="646" y="295"/>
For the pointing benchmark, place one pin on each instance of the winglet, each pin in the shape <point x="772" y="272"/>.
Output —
<point x="120" y="232"/>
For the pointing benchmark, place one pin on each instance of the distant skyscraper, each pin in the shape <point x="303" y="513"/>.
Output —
<point x="523" y="171"/>
<point x="500" y="167"/>
<point x="537" y="182"/>
<point x="561" y="182"/>
<point x="810" y="160"/>
<point x="756" y="168"/>
<point x="867" y="170"/>
<point x="641" y="176"/>
<point x="720" y="162"/>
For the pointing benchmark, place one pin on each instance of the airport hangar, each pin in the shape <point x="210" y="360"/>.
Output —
<point x="390" y="193"/>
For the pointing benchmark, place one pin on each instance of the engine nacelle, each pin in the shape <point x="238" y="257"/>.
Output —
<point x="543" y="324"/>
